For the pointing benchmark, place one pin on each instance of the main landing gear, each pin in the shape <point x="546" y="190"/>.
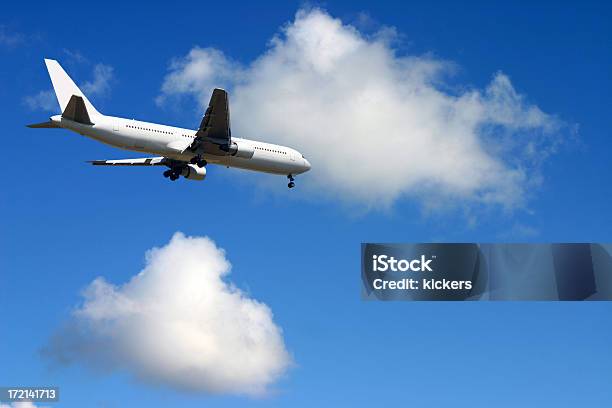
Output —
<point x="172" y="174"/>
<point x="178" y="168"/>
<point x="291" y="183"/>
<point x="199" y="161"/>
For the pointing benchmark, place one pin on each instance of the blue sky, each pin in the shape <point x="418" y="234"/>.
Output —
<point x="66" y="223"/>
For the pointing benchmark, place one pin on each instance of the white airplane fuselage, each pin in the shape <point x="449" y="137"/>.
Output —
<point x="171" y="142"/>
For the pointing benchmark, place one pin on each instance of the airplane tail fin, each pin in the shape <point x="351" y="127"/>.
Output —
<point x="66" y="90"/>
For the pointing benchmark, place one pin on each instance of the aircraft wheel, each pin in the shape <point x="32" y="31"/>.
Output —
<point x="167" y="173"/>
<point x="202" y="163"/>
<point x="291" y="184"/>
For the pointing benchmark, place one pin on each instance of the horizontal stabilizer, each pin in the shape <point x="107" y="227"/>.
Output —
<point x="43" y="125"/>
<point x="76" y="111"/>
<point x="145" y="161"/>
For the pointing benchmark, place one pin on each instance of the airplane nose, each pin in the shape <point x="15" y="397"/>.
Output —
<point x="306" y="165"/>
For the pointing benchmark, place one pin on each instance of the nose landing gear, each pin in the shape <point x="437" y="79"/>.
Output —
<point x="291" y="183"/>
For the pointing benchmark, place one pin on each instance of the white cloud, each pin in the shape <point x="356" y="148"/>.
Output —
<point x="99" y="85"/>
<point x="75" y="56"/>
<point x="43" y="100"/>
<point x="10" y="39"/>
<point x="520" y="231"/>
<point x="198" y="73"/>
<point x="376" y="125"/>
<point x="178" y="323"/>
<point x="24" y="404"/>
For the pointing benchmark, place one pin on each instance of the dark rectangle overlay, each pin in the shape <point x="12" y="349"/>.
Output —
<point x="29" y="394"/>
<point x="486" y="271"/>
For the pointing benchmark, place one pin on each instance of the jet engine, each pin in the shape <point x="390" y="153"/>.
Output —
<point x="193" y="172"/>
<point x="241" y="149"/>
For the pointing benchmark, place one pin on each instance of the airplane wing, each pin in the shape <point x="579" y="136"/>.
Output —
<point x="176" y="168"/>
<point x="145" y="161"/>
<point x="214" y="134"/>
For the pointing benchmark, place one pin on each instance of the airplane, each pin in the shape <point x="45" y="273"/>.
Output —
<point x="185" y="152"/>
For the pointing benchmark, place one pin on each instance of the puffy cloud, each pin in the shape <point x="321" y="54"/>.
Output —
<point x="177" y="323"/>
<point x="376" y="125"/>
<point x="99" y="85"/>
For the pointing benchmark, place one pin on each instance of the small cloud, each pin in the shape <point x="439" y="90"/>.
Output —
<point x="177" y="323"/>
<point x="75" y="56"/>
<point x="100" y="84"/>
<point x="43" y="100"/>
<point x="21" y="404"/>
<point x="520" y="231"/>
<point x="10" y="39"/>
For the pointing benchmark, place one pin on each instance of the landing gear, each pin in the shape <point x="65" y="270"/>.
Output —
<point x="199" y="161"/>
<point x="291" y="183"/>
<point x="171" y="174"/>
